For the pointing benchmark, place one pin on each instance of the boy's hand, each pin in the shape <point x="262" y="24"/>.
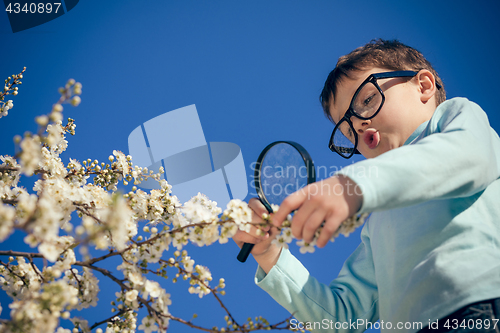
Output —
<point x="264" y="252"/>
<point x="332" y="201"/>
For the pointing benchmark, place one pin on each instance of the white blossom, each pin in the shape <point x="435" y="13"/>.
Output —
<point x="7" y="216"/>
<point x="49" y="251"/>
<point x="284" y="238"/>
<point x="121" y="162"/>
<point x="148" y="325"/>
<point x="152" y="288"/>
<point x="5" y="108"/>
<point x="68" y="260"/>
<point x="109" y="221"/>
<point x="240" y="213"/>
<point x="306" y="247"/>
<point x="81" y="324"/>
<point x="30" y="154"/>
<point x="136" y="278"/>
<point x="131" y="295"/>
<point x="349" y="225"/>
<point x="55" y="138"/>
<point x="161" y="304"/>
<point x="9" y="178"/>
<point x="188" y="263"/>
<point x="88" y="285"/>
<point x="119" y="219"/>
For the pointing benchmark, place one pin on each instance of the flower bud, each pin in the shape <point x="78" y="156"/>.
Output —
<point x="57" y="108"/>
<point x="55" y="116"/>
<point x="77" y="90"/>
<point x="75" y="101"/>
<point x="42" y="120"/>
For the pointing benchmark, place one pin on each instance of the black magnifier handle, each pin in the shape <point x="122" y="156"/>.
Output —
<point x="245" y="252"/>
<point x="247" y="247"/>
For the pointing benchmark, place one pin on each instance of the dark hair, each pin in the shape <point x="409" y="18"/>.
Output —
<point x="389" y="54"/>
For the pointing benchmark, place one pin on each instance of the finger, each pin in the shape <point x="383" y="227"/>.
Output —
<point x="329" y="228"/>
<point x="257" y="231"/>
<point x="273" y="232"/>
<point x="300" y="218"/>
<point x="243" y="237"/>
<point x="257" y="207"/>
<point x="258" y="210"/>
<point x="291" y="203"/>
<point x="312" y="224"/>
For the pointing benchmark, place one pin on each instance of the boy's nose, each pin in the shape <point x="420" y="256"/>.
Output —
<point x="360" y="125"/>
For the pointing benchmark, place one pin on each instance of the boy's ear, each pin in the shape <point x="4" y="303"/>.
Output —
<point x="426" y="85"/>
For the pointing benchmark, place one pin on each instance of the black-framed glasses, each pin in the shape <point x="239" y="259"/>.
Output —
<point x="365" y="104"/>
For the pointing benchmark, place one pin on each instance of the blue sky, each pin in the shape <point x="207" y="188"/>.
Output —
<point x="254" y="69"/>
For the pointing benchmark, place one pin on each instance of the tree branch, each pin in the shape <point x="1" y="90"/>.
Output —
<point x="21" y="254"/>
<point x="108" y="319"/>
<point x="22" y="278"/>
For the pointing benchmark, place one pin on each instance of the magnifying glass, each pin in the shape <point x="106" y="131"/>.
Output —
<point x="283" y="167"/>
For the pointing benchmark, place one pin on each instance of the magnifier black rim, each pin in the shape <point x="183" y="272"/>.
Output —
<point x="311" y="175"/>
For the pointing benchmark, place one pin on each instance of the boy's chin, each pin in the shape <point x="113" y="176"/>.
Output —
<point x="371" y="153"/>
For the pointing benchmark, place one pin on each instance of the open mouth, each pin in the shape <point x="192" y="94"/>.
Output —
<point x="371" y="137"/>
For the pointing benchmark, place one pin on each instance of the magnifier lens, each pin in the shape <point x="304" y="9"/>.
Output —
<point x="283" y="171"/>
<point x="283" y="167"/>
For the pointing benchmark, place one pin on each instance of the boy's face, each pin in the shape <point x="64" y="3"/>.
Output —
<point x="403" y="111"/>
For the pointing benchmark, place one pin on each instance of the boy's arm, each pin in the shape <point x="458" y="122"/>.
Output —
<point x="459" y="156"/>
<point x="352" y="298"/>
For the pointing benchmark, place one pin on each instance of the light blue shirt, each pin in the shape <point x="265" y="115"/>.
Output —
<point x="432" y="244"/>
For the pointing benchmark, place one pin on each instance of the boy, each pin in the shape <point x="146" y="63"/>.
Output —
<point x="429" y="259"/>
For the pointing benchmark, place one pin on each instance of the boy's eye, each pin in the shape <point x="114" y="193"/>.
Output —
<point x="368" y="100"/>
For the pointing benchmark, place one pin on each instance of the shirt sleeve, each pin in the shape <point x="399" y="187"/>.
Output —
<point x="346" y="305"/>
<point x="457" y="155"/>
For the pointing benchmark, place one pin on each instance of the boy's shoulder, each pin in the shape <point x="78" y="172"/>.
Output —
<point x="456" y="109"/>
<point x="455" y="103"/>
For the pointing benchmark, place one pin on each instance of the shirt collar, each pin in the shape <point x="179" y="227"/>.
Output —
<point x="417" y="132"/>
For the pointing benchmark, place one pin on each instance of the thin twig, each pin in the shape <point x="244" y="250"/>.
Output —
<point x="108" y="319"/>
<point x="35" y="268"/>
<point x="12" y="272"/>
<point x="213" y="290"/>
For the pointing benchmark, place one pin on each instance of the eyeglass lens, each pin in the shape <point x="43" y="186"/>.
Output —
<point x="366" y="103"/>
